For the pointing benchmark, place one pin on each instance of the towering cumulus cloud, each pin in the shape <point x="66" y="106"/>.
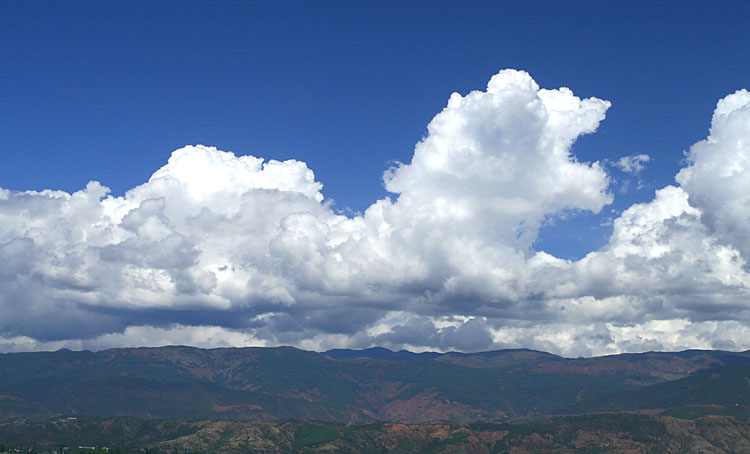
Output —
<point x="716" y="178"/>
<point x="217" y="249"/>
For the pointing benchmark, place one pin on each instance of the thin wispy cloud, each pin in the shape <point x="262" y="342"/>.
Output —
<point x="633" y="164"/>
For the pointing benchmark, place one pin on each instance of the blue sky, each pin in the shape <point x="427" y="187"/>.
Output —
<point x="106" y="91"/>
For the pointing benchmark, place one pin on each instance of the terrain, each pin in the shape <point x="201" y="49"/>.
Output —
<point x="350" y="386"/>
<point x="621" y="433"/>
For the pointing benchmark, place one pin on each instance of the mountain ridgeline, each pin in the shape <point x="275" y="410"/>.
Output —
<point x="351" y="386"/>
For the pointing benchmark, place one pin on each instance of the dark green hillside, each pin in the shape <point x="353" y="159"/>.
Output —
<point x="17" y="407"/>
<point x="722" y="389"/>
<point x="118" y="396"/>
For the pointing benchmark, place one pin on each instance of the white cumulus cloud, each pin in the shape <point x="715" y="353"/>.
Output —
<point x="219" y="249"/>
<point x="716" y="177"/>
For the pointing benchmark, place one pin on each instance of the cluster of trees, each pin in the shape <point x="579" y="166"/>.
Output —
<point x="10" y="449"/>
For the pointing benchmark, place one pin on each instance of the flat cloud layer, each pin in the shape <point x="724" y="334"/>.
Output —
<point x="218" y="250"/>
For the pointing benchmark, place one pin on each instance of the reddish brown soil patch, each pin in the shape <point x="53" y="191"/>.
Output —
<point x="237" y="408"/>
<point x="431" y="406"/>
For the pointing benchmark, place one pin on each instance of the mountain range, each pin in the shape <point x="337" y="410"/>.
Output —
<point x="356" y="386"/>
